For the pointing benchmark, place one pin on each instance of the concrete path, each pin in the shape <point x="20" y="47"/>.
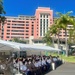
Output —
<point x="65" y="69"/>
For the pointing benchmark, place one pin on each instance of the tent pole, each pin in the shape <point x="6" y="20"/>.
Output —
<point x="40" y="53"/>
<point x="18" y="60"/>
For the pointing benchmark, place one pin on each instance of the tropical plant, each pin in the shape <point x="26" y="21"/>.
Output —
<point x="18" y="40"/>
<point x="2" y="18"/>
<point x="54" y="31"/>
<point x="64" y="20"/>
<point x="47" y="39"/>
<point x="70" y="39"/>
<point x="51" y="35"/>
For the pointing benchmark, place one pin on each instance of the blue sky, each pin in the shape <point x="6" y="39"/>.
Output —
<point x="27" y="7"/>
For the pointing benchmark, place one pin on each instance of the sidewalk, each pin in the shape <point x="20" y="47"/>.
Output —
<point x="65" y="69"/>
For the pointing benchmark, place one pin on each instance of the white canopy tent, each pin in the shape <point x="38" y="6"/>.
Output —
<point x="13" y="46"/>
<point x="73" y="46"/>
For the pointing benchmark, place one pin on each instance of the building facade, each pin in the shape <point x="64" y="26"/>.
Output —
<point x="23" y="27"/>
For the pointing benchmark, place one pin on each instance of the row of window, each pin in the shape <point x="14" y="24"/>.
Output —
<point x="20" y="21"/>
<point x="16" y="34"/>
<point x="18" y="30"/>
<point x="20" y="34"/>
<point x="16" y="27"/>
<point x="44" y="15"/>
<point x="15" y="37"/>
<point x="19" y="25"/>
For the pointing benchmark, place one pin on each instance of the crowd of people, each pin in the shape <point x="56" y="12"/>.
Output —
<point x="35" y="65"/>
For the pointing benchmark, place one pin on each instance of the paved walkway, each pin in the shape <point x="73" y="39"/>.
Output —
<point x="65" y="69"/>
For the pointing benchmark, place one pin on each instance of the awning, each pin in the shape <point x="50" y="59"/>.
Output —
<point x="13" y="46"/>
<point x="73" y="46"/>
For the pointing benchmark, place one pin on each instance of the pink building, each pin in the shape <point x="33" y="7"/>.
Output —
<point x="25" y="26"/>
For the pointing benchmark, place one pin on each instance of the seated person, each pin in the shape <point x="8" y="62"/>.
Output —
<point x="23" y="68"/>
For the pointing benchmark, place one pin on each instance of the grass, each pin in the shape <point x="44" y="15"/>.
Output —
<point x="66" y="59"/>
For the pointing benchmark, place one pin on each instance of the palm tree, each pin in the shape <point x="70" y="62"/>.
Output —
<point x="70" y="39"/>
<point x="64" y="20"/>
<point x="47" y="39"/>
<point x="54" y="32"/>
<point x="2" y="18"/>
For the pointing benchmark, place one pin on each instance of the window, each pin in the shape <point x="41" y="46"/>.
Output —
<point x="1" y="36"/>
<point x="8" y="30"/>
<point x="27" y="27"/>
<point x="8" y="37"/>
<point x="47" y="16"/>
<point x="2" y="29"/>
<point x="27" y="34"/>
<point x="50" y="19"/>
<point x="32" y="34"/>
<point x="32" y="28"/>
<point x="47" y="20"/>
<point x="8" y="24"/>
<point x="8" y="33"/>
<point x="8" y="20"/>
<point x="41" y="21"/>
<point x="27" y="21"/>
<point x="32" y="22"/>
<point x="18" y="21"/>
<point x="27" y="37"/>
<point x="17" y="30"/>
<point x="8" y="27"/>
<point x="35" y="41"/>
<point x="2" y="33"/>
<point x="32" y="25"/>
<point x="27" y="31"/>
<point x="44" y="16"/>
<point x="50" y="22"/>
<point x="27" y="24"/>
<point x="60" y="35"/>
<point x="40" y="41"/>
<point x="41" y="16"/>
<point x="44" y="21"/>
<point x="16" y="34"/>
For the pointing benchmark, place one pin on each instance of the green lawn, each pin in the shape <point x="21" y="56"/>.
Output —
<point x="66" y="59"/>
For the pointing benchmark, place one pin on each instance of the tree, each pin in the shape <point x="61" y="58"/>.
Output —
<point x="51" y="34"/>
<point x="54" y="32"/>
<point x="70" y="39"/>
<point x="15" y="40"/>
<point x="64" y="20"/>
<point x="2" y="18"/>
<point x="18" y="40"/>
<point x="47" y="39"/>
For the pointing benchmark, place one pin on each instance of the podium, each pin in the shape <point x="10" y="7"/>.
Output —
<point x="53" y="66"/>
